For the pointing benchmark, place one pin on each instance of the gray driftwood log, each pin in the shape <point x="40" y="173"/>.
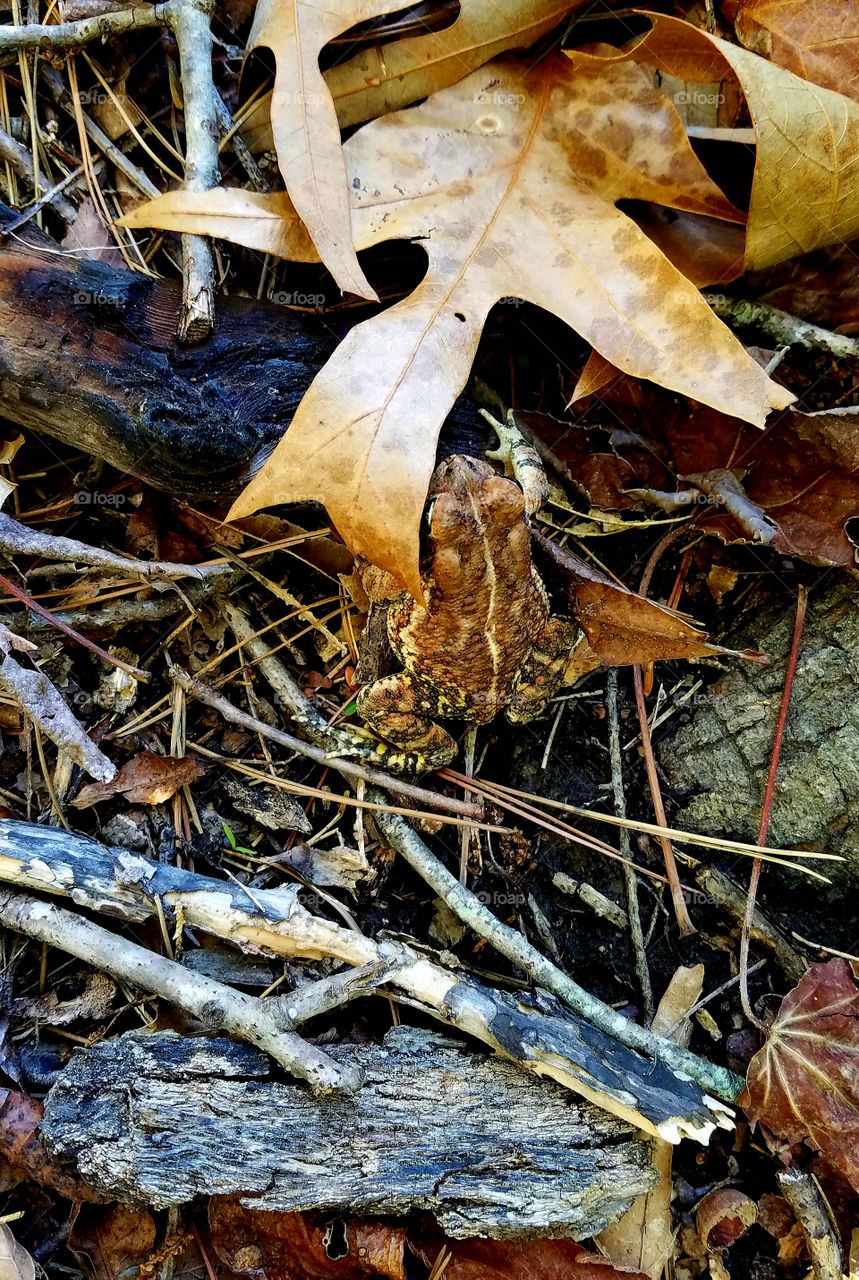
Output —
<point x="159" y="1119"/>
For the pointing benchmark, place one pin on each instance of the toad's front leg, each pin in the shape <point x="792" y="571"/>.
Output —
<point x="542" y="672"/>
<point x="401" y="708"/>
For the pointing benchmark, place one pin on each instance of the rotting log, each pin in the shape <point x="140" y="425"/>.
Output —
<point x="88" y="356"/>
<point x="158" y="1119"/>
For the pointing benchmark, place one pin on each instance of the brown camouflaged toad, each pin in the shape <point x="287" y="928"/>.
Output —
<point x="483" y="639"/>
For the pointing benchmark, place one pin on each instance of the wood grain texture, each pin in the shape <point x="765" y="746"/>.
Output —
<point x="159" y="1119"/>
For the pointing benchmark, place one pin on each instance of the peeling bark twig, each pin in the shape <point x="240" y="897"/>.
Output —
<point x="216" y="1005"/>
<point x="803" y="1193"/>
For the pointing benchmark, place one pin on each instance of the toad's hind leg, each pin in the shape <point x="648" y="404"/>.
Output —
<point x="401" y="708"/>
<point x="540" y="676"/>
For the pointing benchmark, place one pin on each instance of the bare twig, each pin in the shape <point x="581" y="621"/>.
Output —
<point x="781" y="326"/>
<point x="716" y="1080"/>
<point x="766" y="807"/>
<point x="109" y="658"/>
<point x="64" y="36"/>
<point x="803" y="1193"/>
<point x="218" y="1006"/>
<point x="21" y="160"/>
<point x="19" y="539"/>
<point x="630" y="879"/>
<point x="348" y="768"/>
<point x="189" y="21"/>
<point x="36" y="695"/>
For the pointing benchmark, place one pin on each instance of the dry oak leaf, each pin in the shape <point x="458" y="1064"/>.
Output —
<point x="510" y="181"/>
<point x="15" y="1261"/>
<point x="387" y="78"/>
<point x="516" y="1259"/>
<point x="304" y="121"/>
<point x="803" y="1085"/>
<point x="819" y="41"/>
<point x="805" y="192"/>
<point x="146" y="778"/>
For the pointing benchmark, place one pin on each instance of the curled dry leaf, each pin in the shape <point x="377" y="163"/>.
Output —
<point x="517" y="1259"/>
<point x="381" y="79"/>
<point x="819" y="41"/>
<point x="622" y="627"/>
<point x="291" y="1246"/>
<point x="803" y="1085"/>
<point x="723" y="1216"/>
<point x="145" y="779"/>
<point x="805" y="192"/>
<point x="514" y="195"/>
<point x="114" y="1240"/>
<point x="15" y="1261"/>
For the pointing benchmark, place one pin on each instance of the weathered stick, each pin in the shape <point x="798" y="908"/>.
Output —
<point x="217" y="1006"/>
<point x="536" y="1033"/>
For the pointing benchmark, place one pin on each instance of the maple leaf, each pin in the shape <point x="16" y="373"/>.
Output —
<point x="819" y="42"/>
<point x="803" y="1085"/>
<point x="510" y="180"/>
<point x="387" y="78"/>
<point x="805" y="192"/>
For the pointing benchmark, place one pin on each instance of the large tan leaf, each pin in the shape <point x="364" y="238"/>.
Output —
<point x="819" y="41"/>
<point x="805" y="192"/>
<point x="304" y="121"/>
<point x="510" y="180"/>
<point x="387" y="78"/>
<point x="803" y="1085"/>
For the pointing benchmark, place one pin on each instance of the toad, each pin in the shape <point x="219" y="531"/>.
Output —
<point x="483" y="639"/>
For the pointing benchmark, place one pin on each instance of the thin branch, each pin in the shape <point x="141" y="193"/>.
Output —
<point x="766" y="807"/>
<point x="63" y="36"/>
<point x="19" y="539"/>
<point x="348" y="768"/>
<point x="216" y="1005"/>
<point x="16" y="154"/>
<point x="803" y="1193"/>
<point x="630" y="879"/>
<point x="783" y="328"/>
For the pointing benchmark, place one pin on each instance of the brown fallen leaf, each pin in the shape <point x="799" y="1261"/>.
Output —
<point x="15" y="1261"/>
<point x="800" y="477"/>
<point x="805" y="192"/>
<point x="144" y="779"/>
<point x="386" y="78"/>
<point x="819" y="41"/>
<point x="517" y="1260"/>
<point x="293" y="1246"/>
<point x="803" y="1085"/>
<point x="622" y="627"/>
<point x="304" y="121"/>
<point x="23" y="1149"/>
<point x="114" y="1240"/>
<point x="512" y="196"/>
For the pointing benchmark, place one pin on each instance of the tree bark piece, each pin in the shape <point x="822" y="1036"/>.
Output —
<point x="158" y="1120"/>
<point x="717" y="761"/>
<point x="535" y="1032"/>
